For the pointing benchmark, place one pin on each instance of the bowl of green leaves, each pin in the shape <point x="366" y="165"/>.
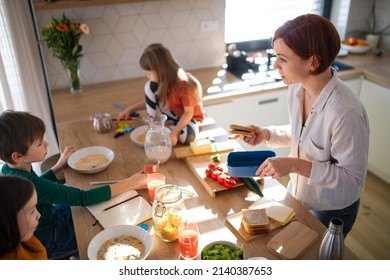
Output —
<point x="222" y="250"/>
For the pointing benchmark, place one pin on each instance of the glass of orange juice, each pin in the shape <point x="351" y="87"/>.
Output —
<point x="154" y="181"/>
<point x="188" y="235"/>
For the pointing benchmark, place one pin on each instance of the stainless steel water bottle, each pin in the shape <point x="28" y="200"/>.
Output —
<point x="332" y="245"/>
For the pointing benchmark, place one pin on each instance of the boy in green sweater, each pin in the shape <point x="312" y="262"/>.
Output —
<point x="21" y="144"/>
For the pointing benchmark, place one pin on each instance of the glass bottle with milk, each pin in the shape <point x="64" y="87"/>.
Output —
<point x="157" y="143"/>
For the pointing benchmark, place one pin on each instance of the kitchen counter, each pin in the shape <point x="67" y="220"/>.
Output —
<point x="98" y="98"/>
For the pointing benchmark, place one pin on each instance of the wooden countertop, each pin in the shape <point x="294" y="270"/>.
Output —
<point x="98" y="98"/>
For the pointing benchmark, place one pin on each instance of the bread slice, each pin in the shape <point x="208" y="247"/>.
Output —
<point x="255" y="221"/>
<point x="241" y="130"/>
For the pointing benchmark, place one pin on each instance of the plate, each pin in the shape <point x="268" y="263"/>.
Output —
<point x="356" y="49"/>
<point x="116" y="231"/>
<point x="92" y="163"/>
<point x="138" y="134"/>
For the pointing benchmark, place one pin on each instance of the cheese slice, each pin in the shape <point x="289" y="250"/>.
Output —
<point x="282" y="214"/>
<point x="201" y="146"/>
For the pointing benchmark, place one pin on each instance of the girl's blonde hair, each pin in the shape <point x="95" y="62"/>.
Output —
<point x="158" y="58"/>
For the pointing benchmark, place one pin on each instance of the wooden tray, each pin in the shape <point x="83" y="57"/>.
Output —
<point x="198" y="165"/>
<point x="235" y="222"/>
<point x="292" y="241"/>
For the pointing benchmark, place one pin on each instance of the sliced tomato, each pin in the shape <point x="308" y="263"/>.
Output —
<point x="209" y="171"/>
<point x="219" y="168"/>
<point x="221" y="178"/>
<point x="216" y="174"/>
<point x="229" y="183"/>
<point x="212" y="165"/>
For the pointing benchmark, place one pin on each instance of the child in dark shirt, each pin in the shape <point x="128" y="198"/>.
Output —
<point x="21" y="144"/>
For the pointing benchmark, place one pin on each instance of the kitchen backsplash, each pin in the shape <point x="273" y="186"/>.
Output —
<point x="192" y="29"/>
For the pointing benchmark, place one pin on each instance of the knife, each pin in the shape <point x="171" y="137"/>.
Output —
<point x="252" y="185"/>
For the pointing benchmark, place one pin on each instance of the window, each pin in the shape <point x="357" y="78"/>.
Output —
<point x="9" y="73"/>
<point x="251" y="23"/>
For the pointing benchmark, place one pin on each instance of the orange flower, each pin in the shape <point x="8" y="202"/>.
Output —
<point x="62" y="27"/>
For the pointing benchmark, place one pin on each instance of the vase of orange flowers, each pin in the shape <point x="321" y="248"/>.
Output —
<point x="63" y="39"/>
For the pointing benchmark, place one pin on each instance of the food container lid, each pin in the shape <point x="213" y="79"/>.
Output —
<point x="245" y="163"/>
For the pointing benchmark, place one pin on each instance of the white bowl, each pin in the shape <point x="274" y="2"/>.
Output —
<point x="93" y="164"/>
<point x="116" y="231"/>
<point x="356" y="49"/>
<point x="141" y="130"/>
<point x="222" y="242"/>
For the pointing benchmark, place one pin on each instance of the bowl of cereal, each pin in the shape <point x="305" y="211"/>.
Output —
<point x="122" y="242"/>
<point x="91" y="160"/>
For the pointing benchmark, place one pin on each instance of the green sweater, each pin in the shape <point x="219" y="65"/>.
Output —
<point x="50" y="192"/>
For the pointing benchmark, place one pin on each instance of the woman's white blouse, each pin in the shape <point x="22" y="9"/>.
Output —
<point x="334" y="138"/>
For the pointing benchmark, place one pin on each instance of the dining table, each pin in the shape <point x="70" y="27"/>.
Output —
<point x="211" y="213"/>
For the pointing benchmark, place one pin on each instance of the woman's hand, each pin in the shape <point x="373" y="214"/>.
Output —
<point x="261" y="135"/>
<point x="277" y="167"/>
<point x="63" y="161"/>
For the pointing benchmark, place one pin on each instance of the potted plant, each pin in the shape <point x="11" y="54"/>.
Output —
<point x="373" y="33"/>
<point x="62" y="37"/>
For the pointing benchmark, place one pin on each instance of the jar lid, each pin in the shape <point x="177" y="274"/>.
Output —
<point x="168" y="193"/>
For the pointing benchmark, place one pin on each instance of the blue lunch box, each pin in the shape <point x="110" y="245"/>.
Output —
<point x="245" y="163"/>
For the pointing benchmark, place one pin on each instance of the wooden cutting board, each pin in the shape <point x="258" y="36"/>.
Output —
<point x="235" y="223"/>
<point x="198" y="165"/>
<point x="292" y="241"/>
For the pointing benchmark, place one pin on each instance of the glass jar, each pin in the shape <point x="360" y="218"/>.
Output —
<point x="169" y="211"/>
<point x="102" y="122"/>
<point x="157" y="143"/>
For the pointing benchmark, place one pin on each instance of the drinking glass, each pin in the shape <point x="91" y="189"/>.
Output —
<point x="188" y="240"/>
<point x="150" y="165"/>
<point x="154" y="181"/>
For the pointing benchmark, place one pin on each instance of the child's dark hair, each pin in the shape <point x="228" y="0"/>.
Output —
<point x="18" y="130"/>
<point x="15" y="192"/>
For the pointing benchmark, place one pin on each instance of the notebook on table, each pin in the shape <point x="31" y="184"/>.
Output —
<point x="128" y="208"/>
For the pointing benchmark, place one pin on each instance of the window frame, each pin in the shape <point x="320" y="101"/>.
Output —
<point x="258" y="45"/>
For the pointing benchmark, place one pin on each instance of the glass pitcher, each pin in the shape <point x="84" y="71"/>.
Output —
<point x="157" y="143"/>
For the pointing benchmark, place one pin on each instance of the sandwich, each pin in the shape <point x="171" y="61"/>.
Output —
<point x="255" y="221"/>
<point x="241" y="130"/>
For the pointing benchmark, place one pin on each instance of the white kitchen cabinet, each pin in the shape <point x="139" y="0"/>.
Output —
<point x="221" y="113"/>
<point x="355" y="84"/>
<point x="262" y="109"/>
<point x="376" y="99"/>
